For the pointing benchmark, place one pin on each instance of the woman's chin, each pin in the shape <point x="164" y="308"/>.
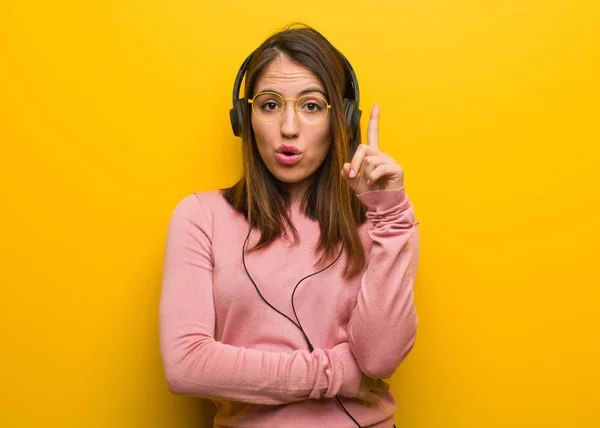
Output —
<point x="288" y="177"/>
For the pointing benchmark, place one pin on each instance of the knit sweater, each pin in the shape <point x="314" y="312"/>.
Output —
<point x="220" y="340"/>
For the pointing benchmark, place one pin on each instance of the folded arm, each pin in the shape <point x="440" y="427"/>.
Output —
<point x="197" y="364"/>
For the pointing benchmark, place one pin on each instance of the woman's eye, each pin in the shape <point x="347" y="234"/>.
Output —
<point x="311" y="107"/>
<point x="270" y="106"/>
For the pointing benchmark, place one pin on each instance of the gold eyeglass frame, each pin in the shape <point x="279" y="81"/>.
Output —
<point x="251" y="101"/>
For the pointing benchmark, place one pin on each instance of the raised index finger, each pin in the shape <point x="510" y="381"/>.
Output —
<point x="373" y="129"/>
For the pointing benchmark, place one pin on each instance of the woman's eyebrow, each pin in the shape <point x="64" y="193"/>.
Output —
<point x="303" y="92"/>
<point x="311" y="90"/>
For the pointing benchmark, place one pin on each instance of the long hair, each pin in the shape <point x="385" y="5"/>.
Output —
<point x="329" y="200"/>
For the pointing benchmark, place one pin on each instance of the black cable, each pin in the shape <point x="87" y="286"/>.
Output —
<point x="310" y="347"/>
<point x="257" y="290"/>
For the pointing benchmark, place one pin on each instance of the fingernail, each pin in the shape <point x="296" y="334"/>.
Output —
<point x="352" y="173"/>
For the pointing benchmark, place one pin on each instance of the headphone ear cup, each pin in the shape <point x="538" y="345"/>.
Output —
<point x="236" y="117"/>
<point x="356" y="115"/>
<point x="348" y="112"/>
<point x="352" y="115"/>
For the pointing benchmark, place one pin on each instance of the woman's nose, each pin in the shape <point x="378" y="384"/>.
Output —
<point x="290" y="124"/>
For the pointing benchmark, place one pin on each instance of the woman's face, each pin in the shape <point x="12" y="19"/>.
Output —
<point x="312" y="142"/>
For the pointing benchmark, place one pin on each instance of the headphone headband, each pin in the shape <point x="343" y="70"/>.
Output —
<point x="352" y="110"/>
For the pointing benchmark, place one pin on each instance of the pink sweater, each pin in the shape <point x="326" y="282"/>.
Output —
<point x="220" y="340"/>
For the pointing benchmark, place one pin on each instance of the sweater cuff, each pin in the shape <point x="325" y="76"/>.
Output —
<point x="381" y="201"/>
<point x="351" y="373"/>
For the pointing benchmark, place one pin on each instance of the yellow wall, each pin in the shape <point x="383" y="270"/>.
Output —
<point x="112" y="111"/>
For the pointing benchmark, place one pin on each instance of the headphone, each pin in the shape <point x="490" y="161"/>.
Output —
<point x="352" y="112"/>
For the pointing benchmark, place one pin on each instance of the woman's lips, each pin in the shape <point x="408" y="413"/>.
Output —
<point x="288" y="159"/>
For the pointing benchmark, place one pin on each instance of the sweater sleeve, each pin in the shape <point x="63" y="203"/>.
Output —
<point x="197" y="364"/>
<point x="382" y="327"/>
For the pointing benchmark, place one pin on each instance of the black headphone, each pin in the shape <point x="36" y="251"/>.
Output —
<point x="351" y="111"/>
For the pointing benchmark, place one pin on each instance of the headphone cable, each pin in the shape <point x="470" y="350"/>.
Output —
<point x="310" y="347"/>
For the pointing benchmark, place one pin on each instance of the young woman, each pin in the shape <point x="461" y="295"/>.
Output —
<point x="287" y="297"/>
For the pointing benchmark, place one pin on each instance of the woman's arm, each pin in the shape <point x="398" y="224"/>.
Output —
<point x="196" y="364"/>
<point x="383" y="324"/>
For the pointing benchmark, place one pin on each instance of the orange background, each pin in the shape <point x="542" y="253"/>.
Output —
<point x="113" y="111"/>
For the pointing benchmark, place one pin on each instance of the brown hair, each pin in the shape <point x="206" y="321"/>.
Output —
<point x="329" y="200"/>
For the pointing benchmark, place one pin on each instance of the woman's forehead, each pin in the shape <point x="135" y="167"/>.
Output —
<point x="288" y="78"/>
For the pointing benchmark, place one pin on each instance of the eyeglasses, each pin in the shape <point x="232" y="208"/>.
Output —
<point x="269" y="106"/>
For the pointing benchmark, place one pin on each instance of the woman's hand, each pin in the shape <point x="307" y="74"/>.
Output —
<point x="369" y="388"/>
<point x="371" y="169"/>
